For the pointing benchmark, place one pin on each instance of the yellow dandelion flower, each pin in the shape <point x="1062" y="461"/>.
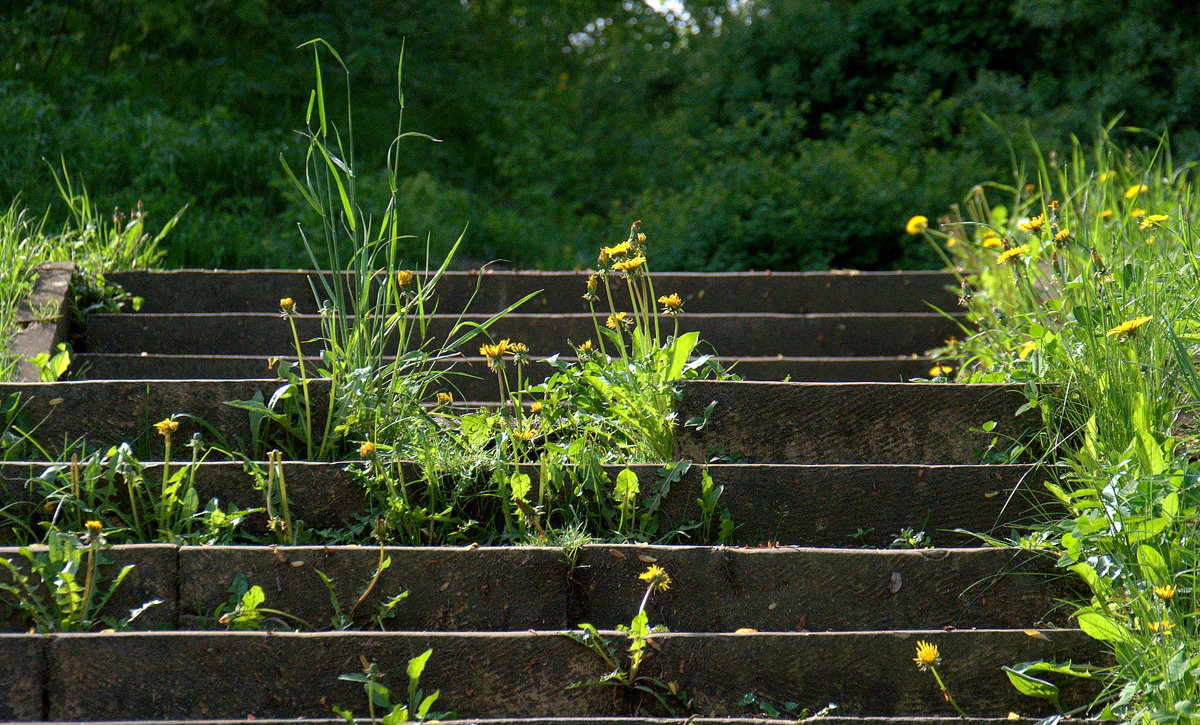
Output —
<point x="1137" y="213"/>
<point x="656" y="577"/>
<point x="444" y="398"/>
<point x="1150" y="241"/>
<point x="609" y="252"/>
<point x="1012" y="253"/>
<point x="1129" y="328"/>
<point x="671" y="303"/>
<point x="615" y="321"/>
<point x="366" y="450"/>
<point x="592" y="281"/>
<point x="991" y="241"/>
<point x="166" y="427"/>
<point x="927" y="655"/>
<point x="535" y="406"/>
<point x="917" y="224"/>
<point x="1165" y="592"/>
<point x="497" y="350"/>
<point x="1062" y="235"/>
<point x="1135" y="190"/>
<point x="1107" y="175"/>
<point x="1033" y="225"/>
<point x="1027" y="348"/>
<point x="629" y="265"/>
<point x="405" y="277"/>
<point x="1106" y="214"/>
<point x="1152" y="219"/>
<point x="287" y="306"/>
<point x="525" y="433"/>
<point x="641" y="237"/>
<point x="939" y="370"/>
<point x="94" y="527"/>
<point x="585" y="347"/>
<point x="1162" y="626"/>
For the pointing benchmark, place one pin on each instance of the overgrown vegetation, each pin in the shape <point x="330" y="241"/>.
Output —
<point x="1082" y="284"/>
<point x="726" y="123"/>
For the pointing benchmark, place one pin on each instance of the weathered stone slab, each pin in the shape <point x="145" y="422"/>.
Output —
<point x="489" y="291"/>
<point x="449" y="588"/>
<point x="477" y="383"/>
<point x="788" y="589"/>
<point x="22" y="678"/>
<point x="105" y="413"/>
<point x="758" y="334"/>
<point x="235" y="675"/>
<point x="43" y="318"/>
<point x="843" y="422"/>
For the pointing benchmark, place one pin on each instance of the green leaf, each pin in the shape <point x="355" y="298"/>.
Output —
<point x="1104" y="628"/>
<point x="1153" y="565"/>
<point x="627" y="485"/>
<point x="1032" y="686"/>
<point x="415" y="667"/>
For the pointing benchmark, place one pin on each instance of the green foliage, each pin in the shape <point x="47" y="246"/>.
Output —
<point x="57" y="588"/>
<point x="1081" y="286"/>
<point x="415" y="707"/>
<point x="775" y="133"/>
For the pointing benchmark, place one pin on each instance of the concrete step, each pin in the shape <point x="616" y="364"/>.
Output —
<point x="756" y="422"/>
<point x="180" y="675"/>
<point x="803" y="505"/>
<point x="713" y="589"/>
<point x="758" y="334"/>
<point x="476" y="382"/>
<point x="486" y="292"/>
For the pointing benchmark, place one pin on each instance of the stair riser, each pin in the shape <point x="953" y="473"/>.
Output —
<point x="513" y="675"/>
<point x="848" y="423"/>
<point x="510" y="589"/>
<point x="825" y="505"/>
<point x="479" y="383"/>
<point x="786" y="292"/>
<point x="749" y="335"/>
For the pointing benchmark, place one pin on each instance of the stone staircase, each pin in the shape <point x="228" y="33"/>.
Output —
<point x="794" y="611"/>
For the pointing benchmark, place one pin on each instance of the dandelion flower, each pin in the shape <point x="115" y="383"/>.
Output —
<point x="1128" y="328"/>
<point x="1033" y="225"/>
<point x="1012" y="253"/>
<point x="586" y="347"/>
<point x="1153" y="219"/>
<point x="1062" y="235"/>
<point x="671" y="303"/>
<point x="166" y="427"/>
<point x="520" y="353"/>
<point x="917" y="224"/>
<point x="1026" y="349"/>
<point x="366" y="450"/>
<point x="592" y="281"/>
<point x="1162" y="626"/>
<point x="1165" y="592"/>
<point x="94" y="527"/>
<point x="939" y="370"/>
<point x="610" y="252"/>
<point x="1107" y="175"/>
<point x="444" y="398"/>
<point x="630" y="264"/>
<point x="656" y="577"/>
<point x="495" y="354"/>
<point x="405" y="277"/>
<point x="615" y="321"/>
<point x="525" y="433"/>
<point x="1137" y="213"/>
<point x="927" y="655"/>
<point x="991" y="241"/>
<point x="287" y="306"/>
<point x="1135" y="190"/>
<point x="1106" y="214"/>
<point x="535" y="406"/>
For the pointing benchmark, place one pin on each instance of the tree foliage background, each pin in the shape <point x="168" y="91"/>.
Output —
<point x="783" y="134"/>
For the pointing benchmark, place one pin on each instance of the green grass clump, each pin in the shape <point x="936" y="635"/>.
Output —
<point x="1083" y="287"/>
<point x="95" y="244"/>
